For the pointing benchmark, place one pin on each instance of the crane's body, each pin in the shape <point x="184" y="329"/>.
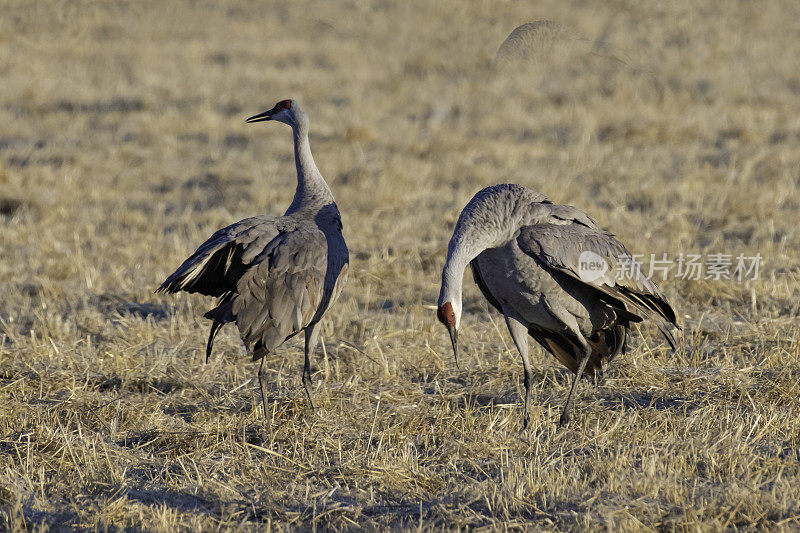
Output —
<point x="525" y="253"/>
<point x="275" y="276"/>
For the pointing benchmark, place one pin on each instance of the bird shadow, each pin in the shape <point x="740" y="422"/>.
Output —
<point x="482" y="400"/>
<point x="56" y="521"/>
<point x="645" y="400"/>
<point x="183" y="411"/>
<point x="113" y="304"/>
<point x="142" y="386"/>
<point x="176" y="500"/>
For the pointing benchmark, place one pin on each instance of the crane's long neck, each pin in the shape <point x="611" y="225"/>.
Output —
<point x="462" y="249"/>
<point x="484" y="223"/>
<point x="312" y="191"/>
<point x="489" y="220"/>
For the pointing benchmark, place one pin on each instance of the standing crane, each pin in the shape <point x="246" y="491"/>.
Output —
<point x="550" y="270"/>
<point x="275" y="276"/>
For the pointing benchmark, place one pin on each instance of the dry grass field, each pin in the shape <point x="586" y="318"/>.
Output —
<point x="123" y="146"/>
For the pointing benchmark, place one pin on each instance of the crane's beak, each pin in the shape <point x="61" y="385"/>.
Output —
<point x="454" y="341"/>
<point x="261" y="117"/>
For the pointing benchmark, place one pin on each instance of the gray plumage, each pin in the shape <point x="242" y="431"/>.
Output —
<point x="536" y="41"/>
<point x="275" y="276"/>
<point x="525" y="254"/>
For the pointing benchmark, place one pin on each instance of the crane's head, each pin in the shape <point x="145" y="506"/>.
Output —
<point x="286" y="111"/>
<point x="450" y="317"/>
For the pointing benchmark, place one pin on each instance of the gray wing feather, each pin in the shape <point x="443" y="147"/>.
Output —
<point x="273" y="279"/>
<point x="286" y="290"/>
<point x="559" y="247"/>
<point x="561" y="215"/>
<point x="216" y="266"/>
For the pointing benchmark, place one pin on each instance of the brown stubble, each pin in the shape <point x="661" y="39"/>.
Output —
<point x="124" y="146"/>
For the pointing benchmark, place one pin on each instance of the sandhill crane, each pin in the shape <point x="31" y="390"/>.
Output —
<point x="274" y="276"/>
<point x="544" y="42"/>
<point x="537" y="41"/>
<point x="550" y="270"/>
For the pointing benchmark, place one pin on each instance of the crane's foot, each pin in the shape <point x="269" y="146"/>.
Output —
<point x="564" y="420"/>
<point x="267" y="423"/>
<point x="526" y="417"/>
<point x="265" y="410"/>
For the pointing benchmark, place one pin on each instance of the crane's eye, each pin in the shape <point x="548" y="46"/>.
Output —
<point x="446" y="315"/>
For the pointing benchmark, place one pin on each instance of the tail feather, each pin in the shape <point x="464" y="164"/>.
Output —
<point x="220" y="315"/>
<point x="616" y="340"/>
<point x="212" y="270"/>
<point x="566" y="350"/>
<point x="605" y="344"/>
<point x="652" y="304"/>
<point x="649" y="306"/>
<point x="215" y="327"/>
<point x="663" y="327"/>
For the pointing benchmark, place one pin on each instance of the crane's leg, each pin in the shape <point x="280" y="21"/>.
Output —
<point x="263" y="387"/>
<point x="587" y="351"/>
<point x="312" y="336"/>
<point x="519" y="333"/>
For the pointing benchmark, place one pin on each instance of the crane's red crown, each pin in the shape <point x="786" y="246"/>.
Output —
<point x="285" y="104"/>
<point x="446" y="314"/>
